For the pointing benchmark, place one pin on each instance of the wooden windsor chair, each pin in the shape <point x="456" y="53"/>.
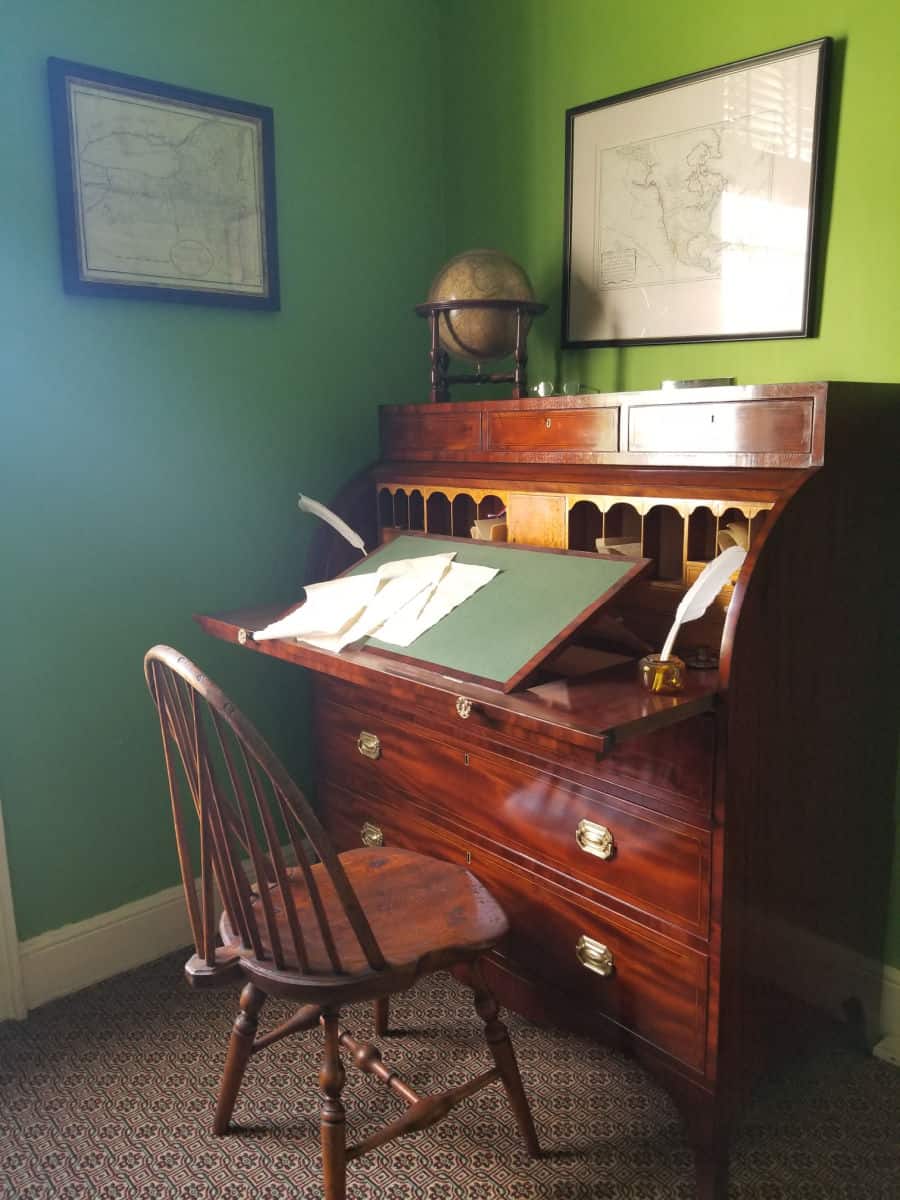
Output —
<point x="330" y="930"/>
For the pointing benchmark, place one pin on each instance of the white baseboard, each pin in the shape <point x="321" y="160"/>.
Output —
<point x="75" y="956"/>
<point x="12" y="995"/>
<point x="826" y="975"/>
<point x="889" y="1050"/>
<point x="71" y="958"/>
<point x="891" y="1005"/>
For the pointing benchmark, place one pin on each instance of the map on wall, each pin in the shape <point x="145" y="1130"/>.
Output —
<point x="690" y="205"/>
<point x="669" y="209"/>
<point x="166" y="192"/>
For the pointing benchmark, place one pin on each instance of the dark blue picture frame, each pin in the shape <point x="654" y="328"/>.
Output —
<point x="59" y="73"/>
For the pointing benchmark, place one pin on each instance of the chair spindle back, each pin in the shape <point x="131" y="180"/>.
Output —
<point x="242" y="795"/>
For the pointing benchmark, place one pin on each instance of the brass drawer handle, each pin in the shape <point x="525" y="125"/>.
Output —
<point x="371" y="835"/>
<point x="595" y="839"/>
<point x="595" y="956"/>
<point x="369" y="745"/>
<point x="463" y="707"/>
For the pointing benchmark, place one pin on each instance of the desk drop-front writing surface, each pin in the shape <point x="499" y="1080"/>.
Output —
<point x="516" y="619"/>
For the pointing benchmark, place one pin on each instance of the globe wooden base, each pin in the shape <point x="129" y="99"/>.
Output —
<point x="440" y="359"/>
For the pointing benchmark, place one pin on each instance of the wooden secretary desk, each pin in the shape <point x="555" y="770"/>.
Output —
<point x="658" y="856"/>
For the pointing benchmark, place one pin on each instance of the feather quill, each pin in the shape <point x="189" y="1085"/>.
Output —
<point x="703" y="591"/>
<point x="305" y="504"/>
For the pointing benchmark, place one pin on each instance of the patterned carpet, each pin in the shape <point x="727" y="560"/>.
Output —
<point x="109" y="1094"/>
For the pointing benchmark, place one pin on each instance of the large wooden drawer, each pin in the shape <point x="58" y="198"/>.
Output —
<point x="669" y="770"/>
<point x="655" y="989"/>
<point x="652" y="863"/>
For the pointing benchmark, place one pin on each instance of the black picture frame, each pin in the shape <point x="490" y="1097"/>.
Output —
<point x="163" y="192"/>
<point x="592" y="316"/>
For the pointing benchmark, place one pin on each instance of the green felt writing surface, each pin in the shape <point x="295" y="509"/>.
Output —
<point x="506" y="624"/>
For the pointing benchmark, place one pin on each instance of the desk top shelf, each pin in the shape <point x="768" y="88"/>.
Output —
<point x="780" y="426"/>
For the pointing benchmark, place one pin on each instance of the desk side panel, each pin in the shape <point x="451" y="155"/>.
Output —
<point x="812" y="740"/>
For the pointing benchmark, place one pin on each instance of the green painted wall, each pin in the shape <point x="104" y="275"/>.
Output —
<point x="512" y="68"/>
<point x="150" y="454"/>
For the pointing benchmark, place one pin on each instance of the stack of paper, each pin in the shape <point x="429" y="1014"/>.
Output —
<point x="396" y="603"/>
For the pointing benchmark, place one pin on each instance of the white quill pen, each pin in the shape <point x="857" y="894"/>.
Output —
<point x="305" y="504"/>
<point x="703" y="591"/>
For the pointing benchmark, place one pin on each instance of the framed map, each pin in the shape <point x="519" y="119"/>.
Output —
<point x="690" y="205"/>
<point x="164" y="193"/>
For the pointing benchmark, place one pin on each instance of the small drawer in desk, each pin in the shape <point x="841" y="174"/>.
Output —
<point x="419" y="435"/>
<point x="652" y="864"/>
<point x="645" y="983"/>
<point x="588" y="429"/>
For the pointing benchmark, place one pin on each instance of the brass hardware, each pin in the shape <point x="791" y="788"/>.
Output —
<point x="548" y="423"/>
<point x="369" y="745"/>
<point x="595" y="956"/>
<point x="242" y="637"/>
<point x="371" y="835"/>
<point x="466" y="759"/>
<point x="595" y="839"/>
<point x="463" y="707"/>
<point x="468" y="858"/>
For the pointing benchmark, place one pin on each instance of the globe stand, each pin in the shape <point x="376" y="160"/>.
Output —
<point x="440" y="359"/>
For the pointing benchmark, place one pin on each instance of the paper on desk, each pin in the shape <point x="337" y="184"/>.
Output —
<point x="406" y="584"/>
<point x="329" y="608"/>
<point x="342" y="611"/>
<point x="459" y="583"/>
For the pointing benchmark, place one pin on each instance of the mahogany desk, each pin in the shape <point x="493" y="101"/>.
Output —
<point x="660" y="858"/>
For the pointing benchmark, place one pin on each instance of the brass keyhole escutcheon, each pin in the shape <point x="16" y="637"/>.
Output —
<point x="465" y="760"/>
<point x="463" y="707"/>
<point x="595" y="956"/>
<point x="371" y="835"/>
<point x="369" y="745"/>
<point x="548" y="423"/>
<point x="595" y="839"/>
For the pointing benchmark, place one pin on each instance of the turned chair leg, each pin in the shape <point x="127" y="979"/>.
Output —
<point x="239" y="1050"/>
<point x="331" y="1082"/>
<point x="501" y="1048"/>
<point x="382" y="1011"/>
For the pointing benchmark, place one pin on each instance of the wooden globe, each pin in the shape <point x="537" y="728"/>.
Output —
<point x="480" y="333"/>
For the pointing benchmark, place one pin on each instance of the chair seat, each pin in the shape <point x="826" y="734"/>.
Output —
<point x="424" y="913"/>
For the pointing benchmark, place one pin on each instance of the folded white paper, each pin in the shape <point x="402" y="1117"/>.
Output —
<point x="401" y="599"/>
<point x="459" y="583"/>
<point x="404" y="584"/>
<point x="329" y="608"/>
